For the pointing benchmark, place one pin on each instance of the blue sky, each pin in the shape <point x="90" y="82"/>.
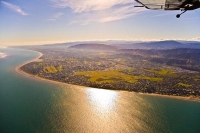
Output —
<point x="24" y="22"/>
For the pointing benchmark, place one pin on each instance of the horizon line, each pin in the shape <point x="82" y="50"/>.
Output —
<point x="125" y="40"/>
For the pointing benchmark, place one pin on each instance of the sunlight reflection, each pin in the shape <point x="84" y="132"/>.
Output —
<point x="102" y="99"/>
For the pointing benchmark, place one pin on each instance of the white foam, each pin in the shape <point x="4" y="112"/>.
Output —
<point x="2" y="55"/>
<point x="3" y="47"/>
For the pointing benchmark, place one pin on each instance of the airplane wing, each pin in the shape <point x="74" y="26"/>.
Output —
<point x="163" y="4"/>
<point x="176" y="4"/>
<point x="152" y="4"/>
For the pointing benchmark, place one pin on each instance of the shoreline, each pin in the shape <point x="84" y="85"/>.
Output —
<point x="17" y="69"/>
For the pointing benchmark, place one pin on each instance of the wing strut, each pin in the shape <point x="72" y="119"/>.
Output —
<point x="178" y="15"/>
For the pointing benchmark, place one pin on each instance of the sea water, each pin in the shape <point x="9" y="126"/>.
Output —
<point x="29" y="105"/>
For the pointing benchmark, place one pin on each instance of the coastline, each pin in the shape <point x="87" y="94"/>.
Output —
<point x="17" y="69"/>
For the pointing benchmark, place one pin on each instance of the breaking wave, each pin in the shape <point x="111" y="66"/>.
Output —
<point x="3" y="47"/>
<point x="2" y="55"/>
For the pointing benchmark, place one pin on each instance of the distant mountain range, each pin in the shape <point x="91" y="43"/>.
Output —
<point x="111" y="45"/>
<point x="160" y="45"/>
<point x="115" y="45"/>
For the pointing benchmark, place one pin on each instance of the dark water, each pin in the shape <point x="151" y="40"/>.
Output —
<point x="28" y="105"/>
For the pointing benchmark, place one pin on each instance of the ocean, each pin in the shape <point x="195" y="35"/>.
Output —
<point x="30" y="105"/>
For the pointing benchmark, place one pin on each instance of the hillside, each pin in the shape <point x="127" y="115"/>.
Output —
<point x="94" y="47"/>
<point x="182" y="57"/>
<point x="159" y="45"/>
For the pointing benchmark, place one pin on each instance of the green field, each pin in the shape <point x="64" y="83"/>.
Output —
<point x="196" y="79"/>
<point x="183" y="84"/>
<point x="52" y="69"/>
<point x="163" y="72"/>
<point x="111" y="76"/>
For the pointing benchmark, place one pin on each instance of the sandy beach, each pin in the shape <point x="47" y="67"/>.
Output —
<point x="189" y="98"/>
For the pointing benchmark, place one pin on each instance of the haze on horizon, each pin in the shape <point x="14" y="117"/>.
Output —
<point x="52" y="21"/>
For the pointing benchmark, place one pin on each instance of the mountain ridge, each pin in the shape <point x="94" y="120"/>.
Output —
<point x="93" y="47"/>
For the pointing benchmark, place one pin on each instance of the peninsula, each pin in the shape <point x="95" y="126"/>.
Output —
<point x="173" y="71"/>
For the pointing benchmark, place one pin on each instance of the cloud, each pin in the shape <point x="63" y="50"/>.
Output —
<point x="14" y="8"/>
<point x="87" y="11"/>
<point x="88" y="5"/>
<point x="196" y="39"/>
<point x="165" y="14"/>
<point x="122" y="13"/>
<point x="56" y="16"/>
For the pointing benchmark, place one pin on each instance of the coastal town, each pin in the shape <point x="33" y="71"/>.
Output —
<point x="136" y="71"/>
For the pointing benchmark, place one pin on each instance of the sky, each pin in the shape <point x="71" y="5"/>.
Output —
<point x="28" y="22"/>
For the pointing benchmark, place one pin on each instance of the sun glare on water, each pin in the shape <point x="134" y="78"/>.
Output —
<point x="102" y="100"/>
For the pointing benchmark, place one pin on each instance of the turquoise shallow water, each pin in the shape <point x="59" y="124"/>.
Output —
<point x="29" y="105"/>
